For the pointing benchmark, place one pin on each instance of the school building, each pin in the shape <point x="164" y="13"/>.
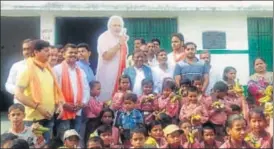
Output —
<point x="234" y="32"/>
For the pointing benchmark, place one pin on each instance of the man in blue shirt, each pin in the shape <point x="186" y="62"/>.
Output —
<point x="83" y="56"/>
<point x="191" y="66"/>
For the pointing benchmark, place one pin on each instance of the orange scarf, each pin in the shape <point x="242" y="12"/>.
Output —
<point x="68" y="91"/>
<point x="122" y="66"/>
<point x="181" y="57"/>
<point x="35" y="85"/>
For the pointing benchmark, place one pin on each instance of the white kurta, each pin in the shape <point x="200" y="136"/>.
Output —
<point x="107" y="71"/>
<point x="171" y="62"/>
<point x="158" y="76"/>
<point x="15" y="71"/>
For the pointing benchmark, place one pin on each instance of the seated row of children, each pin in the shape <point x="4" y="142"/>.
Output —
<point x="183" y="119"/>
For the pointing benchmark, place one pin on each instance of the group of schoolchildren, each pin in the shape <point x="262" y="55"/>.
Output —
<point x="172" y="119"/>
<point x="177" y="117"/>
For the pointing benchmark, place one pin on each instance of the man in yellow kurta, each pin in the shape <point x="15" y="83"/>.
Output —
<point x="37" y="89"/>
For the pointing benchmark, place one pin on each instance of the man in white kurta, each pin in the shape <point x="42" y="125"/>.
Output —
<point x="17" y="68"/>
<point x="109" y="45"/>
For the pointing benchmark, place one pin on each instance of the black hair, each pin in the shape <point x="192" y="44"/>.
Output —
<point x="257" y="110"/>
<point x="141" y="39"/>
<point x="146" y="82"/>
<point x="59" y="47"/>
<point x="230" y="120"/>
<point x="226" y="70"/>
<point x="17" y="106"/>
<point x="190" y="43"/>
<point x="235" y="108"/>
<point x="125" y="76"/>
<point x="27" y="40"/>
<point x="257" y="59"/>
<point x="250" y="99"/>
<point x="131" y="96"/>
<point x="220" y="86"/>
<point x="5" y="137"/>
<point x="152" y="124"/>
<point x="93" y="83"/>
<point x="96" y="139"/>
<point x="19" y="144"/>
<point x="141" y="130"/>
<point x="54" y="143"/>
<point x="104" y="110"/>
<point x="178" y="35"/>
<point x="137" y="51"/>
<point x="164" y="119"/>
<point x="103" y="129"/>
<point x="197" y="78"/>
<point x="157" y="40"/>
<point x="185" y="81"/>
<point x="208" y="125"/>
<point x="162" y="50"/>
<point x="184" y="121"/>
<point x="83" y="45"/>
<point x="38" y="44"/>
<point x="192" y="89"/>
<point x="169" y="83"/>
<point x="69" y="45"/>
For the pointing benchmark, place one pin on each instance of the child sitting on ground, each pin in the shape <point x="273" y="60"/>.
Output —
<point x="209" y="135"/>
<point x="95" y="143"/>
<point x="16" y="116"/>
<point x="71" y="139"/>
<point x="147" y="102"/>
<point x="130" y="118"/>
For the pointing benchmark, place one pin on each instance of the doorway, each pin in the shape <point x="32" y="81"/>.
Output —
<point x="76" y="30"/>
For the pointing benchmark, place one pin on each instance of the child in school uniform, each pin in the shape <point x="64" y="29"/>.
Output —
<point x="209" y="137"/>
<point x="167" y="102"/>
<point x="236" y="130"/>
<point x="147" y="102"/>
<point x="194" y="111"/>
<point x="217" y="109"/>
<point x="189" y="138"/>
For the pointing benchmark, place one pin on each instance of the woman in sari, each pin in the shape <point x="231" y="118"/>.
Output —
<point x="260" y="80"/>
<point x="112" y="53"/>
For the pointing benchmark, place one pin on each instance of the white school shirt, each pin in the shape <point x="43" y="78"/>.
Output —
<point x="73" y="80"/>
<point x="14" y="74"/>
<point x="158" y="76"/>
<point x="140" y="75"/>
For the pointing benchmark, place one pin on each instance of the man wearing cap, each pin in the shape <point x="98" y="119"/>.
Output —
<point x="71" y="139"/>
<point x="173" y="135"/>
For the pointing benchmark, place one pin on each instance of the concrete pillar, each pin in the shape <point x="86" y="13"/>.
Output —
<point x="47" y="28"/>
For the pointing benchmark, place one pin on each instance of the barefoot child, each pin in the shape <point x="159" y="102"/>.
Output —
<point x="147" y="102"/>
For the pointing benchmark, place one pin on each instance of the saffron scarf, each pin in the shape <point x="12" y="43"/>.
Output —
<point x="122" y="66"/>
<point x="35" y="85"/>
<point x="181" y="57"/>
<point x="68" y="91"/>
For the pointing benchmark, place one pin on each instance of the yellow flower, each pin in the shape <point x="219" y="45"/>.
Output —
<point x="195" y="117"/>
<point x="253" y="141"/>
<point x="190" y="138"/>
<point x="268" y="95"/>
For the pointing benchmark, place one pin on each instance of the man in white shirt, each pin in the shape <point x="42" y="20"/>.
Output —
<point x="161" y="71"/>
<point x="18" y="67"/>
<point x="214" y="74"/>
<point x="75" y="88"/>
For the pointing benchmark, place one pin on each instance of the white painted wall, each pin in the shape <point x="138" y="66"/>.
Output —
<point x="235" y="26"/>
